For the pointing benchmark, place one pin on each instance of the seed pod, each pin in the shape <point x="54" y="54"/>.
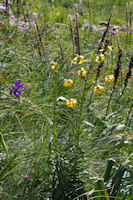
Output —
<point x="129" y="73"/>
<point x="118" y="68"/>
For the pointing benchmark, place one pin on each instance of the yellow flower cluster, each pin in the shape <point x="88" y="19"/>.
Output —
<point x="109" y="49"/>
<point x="98" y="89"/>
<point x="67" y="83"/>
<point x="53" y="64"/>
<point x="79" y="59"/>
<point x="71" y="103"/>
<point x="81" y="72"/>
<point x="100" y="58"/>
<point x="109" y="78"/>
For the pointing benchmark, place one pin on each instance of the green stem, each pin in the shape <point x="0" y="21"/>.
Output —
<point x="80" y="114"/>
<point x="54" y="114"/>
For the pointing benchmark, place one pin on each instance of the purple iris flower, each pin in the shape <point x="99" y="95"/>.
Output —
<point x="16" y="88"/>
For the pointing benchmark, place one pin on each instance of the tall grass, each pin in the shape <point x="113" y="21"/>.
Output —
<point x="50" y="150"/>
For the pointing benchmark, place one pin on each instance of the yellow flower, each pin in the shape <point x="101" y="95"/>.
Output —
<point x="100" y="58"/>
<point x="57" y="14"/>
<point x="81" y="72"/>
<point x="109" y="78"/>
<point x="98" y="89"/>
<point x="109" y="49"/>
<point x="53" y="64"/>
<point x="71" y="103"/>
<point x="79" y="59"/>
<point x="67" y="83"/>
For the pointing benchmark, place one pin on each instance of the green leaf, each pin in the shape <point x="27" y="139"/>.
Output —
<point x="108" y="169"/>
<point x="100" y="192"/>
<point x="2" y="141"/>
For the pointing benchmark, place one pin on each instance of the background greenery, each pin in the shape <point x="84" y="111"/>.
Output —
<point x="63" y="151"/>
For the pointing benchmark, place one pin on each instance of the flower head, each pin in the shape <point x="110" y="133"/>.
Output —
<point x="79" y="59"/>
<point x="109" y="78"/>
<point x="71" y="103"/>
<point x="57" y="14"/>
<point x="98" y="89"/>
<point x="81" y="72"/>
<point x="67" y="83"/>
<point x="26" y="176"/>
<point x="16" y="88"/>
<point x="100" y="58"/>
<point x="53" y="64"/>
<point x="109" y="49"/>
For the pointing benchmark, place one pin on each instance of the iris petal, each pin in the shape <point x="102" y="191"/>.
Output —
<point x="17" y="83"/>
<point x="22" y="86"/>
<point x="16" y="93"/>
<point x="11" y="90"/>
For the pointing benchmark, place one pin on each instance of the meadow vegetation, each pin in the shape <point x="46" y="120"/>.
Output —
<point x="66" y="100"/>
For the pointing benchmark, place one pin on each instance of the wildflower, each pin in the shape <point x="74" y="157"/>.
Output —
<point x="53" y="64"/>
<point x="81" y="72"/>
<point x="109" y="78"/>
<point x="26" y="176"/>
<point x="57" y="14"/>
<point x="98" y="89"/>
<point x="109" y="49"/>
<point x="79" y="59"/>
<point x="16" y="88"/>
<point x="71" y="103"/>
<point x="100" y="58"/>
<point x="67" y="83"/>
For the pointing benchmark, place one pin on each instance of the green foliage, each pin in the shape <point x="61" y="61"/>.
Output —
<point x="48" y="150"/>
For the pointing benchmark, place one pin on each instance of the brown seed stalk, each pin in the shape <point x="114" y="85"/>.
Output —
<point x="116" y="75"/>
<point x="118" y="68"/>
<point x="40" y="38"/>
<point x="130" y="22"/>
<point x="61" y="49"/>
<point x="129" y="73"/>
<point x="71" y="28"/>
<point x="105" y="32"/>
<point x="126" y="25"/>
<point x="18" y="8"/>
<point x="37" y="40"/>
<point x="76" y="31"/>
<point x="90" y="14"/>
<point x="81" y="7"/>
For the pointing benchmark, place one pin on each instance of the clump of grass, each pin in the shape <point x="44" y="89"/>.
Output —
<point x="58" y="134"/>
